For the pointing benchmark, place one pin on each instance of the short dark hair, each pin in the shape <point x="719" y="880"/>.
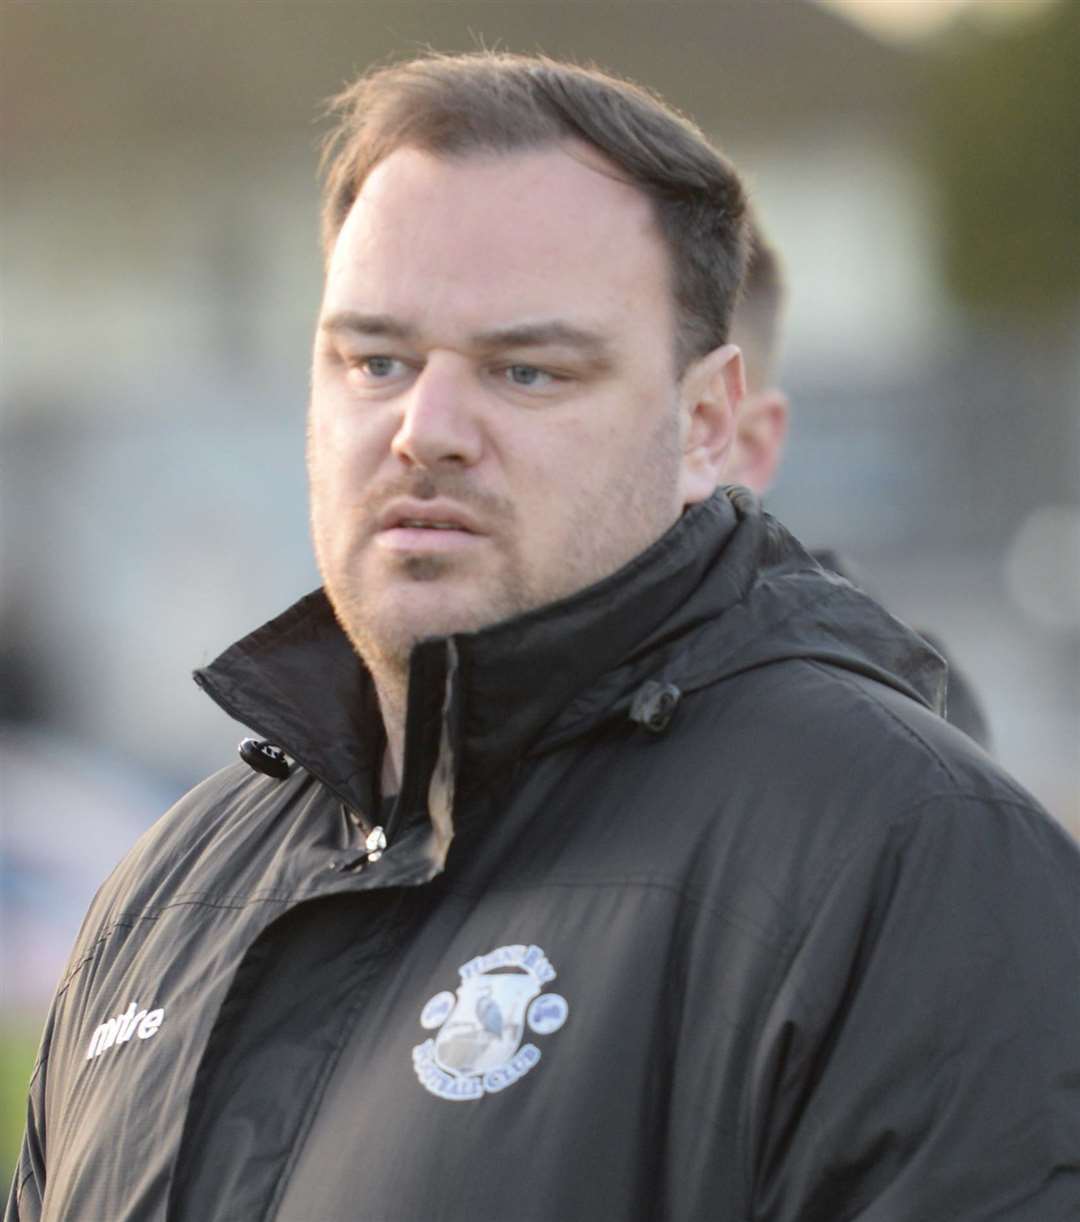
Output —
<point x="759" y="310"/>
<point x="498" y="102"/>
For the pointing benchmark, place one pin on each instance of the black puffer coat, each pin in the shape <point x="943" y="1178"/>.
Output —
<point x="690" y="908"/>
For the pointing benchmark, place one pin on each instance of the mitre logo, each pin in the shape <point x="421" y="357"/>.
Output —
<point x="477" y="1048"/>
<point x="115" y="1031"/>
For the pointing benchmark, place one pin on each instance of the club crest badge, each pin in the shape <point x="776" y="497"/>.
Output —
<point x="477" y="1047"/>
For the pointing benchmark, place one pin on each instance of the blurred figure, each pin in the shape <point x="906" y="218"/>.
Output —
<point x="761" y="433"/>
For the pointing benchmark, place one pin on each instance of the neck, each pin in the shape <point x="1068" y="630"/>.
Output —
<point x="393" y="692"/>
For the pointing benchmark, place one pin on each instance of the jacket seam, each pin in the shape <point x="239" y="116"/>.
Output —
<point x="101" y="938"/>
<point x="209" y="899"/>
<point x="22" y="1184"/>
<point x="898" y="723"/>
<point x="730" y="915"/>
<point x="792" y="945"/>
<point x="786" y="957"/>
<point x="35" y="1073"/>
<point x="129" y="918"/>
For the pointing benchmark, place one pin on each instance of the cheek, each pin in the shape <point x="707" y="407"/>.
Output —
<point x="551" y="447"/>
<point x="560" y="482"/>
<point x="344" y="445"/>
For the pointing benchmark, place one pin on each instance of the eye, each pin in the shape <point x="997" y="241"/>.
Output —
<point x="528" y="376"/>
<point x="378" y="367"/>
<point x="376" y="373"/>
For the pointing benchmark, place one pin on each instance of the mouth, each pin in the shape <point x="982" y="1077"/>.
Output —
<point x="423" y="524"/>
<point x="410" y="513"/>
<point x="426" y="526"/>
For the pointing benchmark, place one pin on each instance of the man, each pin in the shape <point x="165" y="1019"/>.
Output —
<point x="761" y="431"/>
<point x="602" y="857"/>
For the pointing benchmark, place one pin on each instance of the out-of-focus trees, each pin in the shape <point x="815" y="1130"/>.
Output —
<point x="1003" y="110"/>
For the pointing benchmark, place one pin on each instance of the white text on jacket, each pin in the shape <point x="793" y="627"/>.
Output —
<point x="118" y="1030"/>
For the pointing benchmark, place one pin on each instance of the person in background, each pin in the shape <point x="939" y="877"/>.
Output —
<point x="761" y="433"/>
<point x="599" y="855"/>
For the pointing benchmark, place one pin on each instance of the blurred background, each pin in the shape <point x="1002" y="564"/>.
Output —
<point x="917" y="162"/>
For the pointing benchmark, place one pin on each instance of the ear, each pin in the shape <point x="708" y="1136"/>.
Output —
<point x="709" y="395"/>
<point x="761" y="425"/>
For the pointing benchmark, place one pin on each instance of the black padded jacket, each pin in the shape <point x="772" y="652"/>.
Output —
<point x="690" y="907"/>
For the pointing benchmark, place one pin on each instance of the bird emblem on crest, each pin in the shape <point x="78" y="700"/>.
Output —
<point x="477" y="1047"/>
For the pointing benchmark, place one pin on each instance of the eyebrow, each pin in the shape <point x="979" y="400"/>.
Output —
<point x="555" y="332"/>
<point x="549" y="333"/>
<point x="351" y="321"/>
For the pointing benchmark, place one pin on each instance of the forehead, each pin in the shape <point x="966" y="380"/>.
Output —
<point x="486" y="239"/>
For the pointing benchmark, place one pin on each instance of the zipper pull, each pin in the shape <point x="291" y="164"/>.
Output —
<point x="375" y="843"/>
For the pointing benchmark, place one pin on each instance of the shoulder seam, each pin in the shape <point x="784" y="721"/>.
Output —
<point x="129" y="918"/>
<point x="866" y="697"/>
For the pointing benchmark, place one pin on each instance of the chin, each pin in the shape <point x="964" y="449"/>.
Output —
<point x="387" y="638"/>
<point x="385" y="623"/>
<point x="441" y="620"/>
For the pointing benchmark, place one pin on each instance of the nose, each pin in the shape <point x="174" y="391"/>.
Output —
<point x="439" y="422"/>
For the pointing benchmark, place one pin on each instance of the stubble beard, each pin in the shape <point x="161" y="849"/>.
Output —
<point x="596" y="544"/>
<point x="380" y="626"/>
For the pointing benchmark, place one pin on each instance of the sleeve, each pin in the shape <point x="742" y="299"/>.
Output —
<point x="28" y="1183"/>
<point x="921" y="1056"/>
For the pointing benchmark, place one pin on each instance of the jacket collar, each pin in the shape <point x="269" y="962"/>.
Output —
<point x="725" y="590"/>
<point x="298" y="682"/>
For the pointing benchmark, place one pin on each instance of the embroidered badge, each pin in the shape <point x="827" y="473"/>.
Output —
<point x="477" y="1048"/>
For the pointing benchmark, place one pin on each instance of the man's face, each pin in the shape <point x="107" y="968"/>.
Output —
<point x="495" y="416"/>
